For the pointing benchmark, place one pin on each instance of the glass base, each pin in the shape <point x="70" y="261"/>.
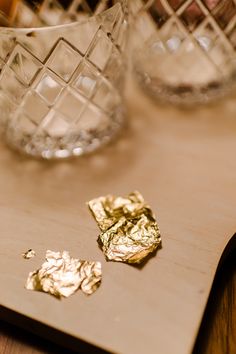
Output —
<point x="183" y="69"/>
<point x="184" y="95"/>
<point x="73" y="144"/>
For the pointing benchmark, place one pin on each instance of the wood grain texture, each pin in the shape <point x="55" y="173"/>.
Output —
<point x="183" y="162"/>
<point x="216" y="336"/>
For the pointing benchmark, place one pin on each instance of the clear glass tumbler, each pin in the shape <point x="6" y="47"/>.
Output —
<point x="62" y="74"/>
<point x="184" y="51"/>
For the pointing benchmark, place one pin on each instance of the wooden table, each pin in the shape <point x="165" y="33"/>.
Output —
<point x="216" y="336"/>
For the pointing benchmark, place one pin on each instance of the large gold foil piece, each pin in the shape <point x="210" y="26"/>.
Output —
<point x="129" y="228"/>
<point x="61" y="276"/>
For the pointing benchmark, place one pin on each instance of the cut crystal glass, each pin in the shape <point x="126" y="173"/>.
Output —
<point x="184" y="50"/>
<point x="60" y="65"/>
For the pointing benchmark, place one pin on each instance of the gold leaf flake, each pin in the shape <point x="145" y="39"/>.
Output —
<point x="129" y="229"/>
<point x="61" y="276"/>
<point x="29" y="254"/>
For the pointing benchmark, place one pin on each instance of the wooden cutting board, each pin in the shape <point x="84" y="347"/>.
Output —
<point x="183" y="162"/>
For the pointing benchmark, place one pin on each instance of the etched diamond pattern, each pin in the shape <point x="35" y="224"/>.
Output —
<point x="70" y="104"/>
<point x="26" y="125"/>
<point x="11" y="86"/>
<point x="49" y="86"/>
<point x="24" y="65"/>
<point x="224" y="13"/>
<point x="70" y="95"/>
<point x="192" y="16"/>
<point x="210" y="4"/>
<point x="34" y="107"/>
<point x="196" y="37"/>
<point x="64" y="60"/>
<point x="55" y="124"/>
<point x="57" y="12"/>
<point x="86" y="79"/>
<point x="104" y="96"/>
<point x="193" y="13"/>
<point x="100" y="50"/>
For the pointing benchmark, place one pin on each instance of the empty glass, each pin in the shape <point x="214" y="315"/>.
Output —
<point x="185" y="50"/>
<point x="62" y="75"/>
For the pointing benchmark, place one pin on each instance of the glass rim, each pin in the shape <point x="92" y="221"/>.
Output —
<point x="63" y="25"/>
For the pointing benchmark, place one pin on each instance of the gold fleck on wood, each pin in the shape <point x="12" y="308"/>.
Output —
<point x="29" y="254"/>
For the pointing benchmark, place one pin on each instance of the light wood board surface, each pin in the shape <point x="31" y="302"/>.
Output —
<point x="183" y="162"/>
<point x="216" y="336"/>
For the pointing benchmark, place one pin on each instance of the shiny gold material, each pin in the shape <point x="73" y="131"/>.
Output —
<point x="61" y="276"/>
<point x="108" y="210"/>
<point x="129" y="229"/>
<point x="29" y="254"/>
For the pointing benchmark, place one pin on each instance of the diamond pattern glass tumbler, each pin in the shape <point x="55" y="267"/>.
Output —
<point x="62" y="74"/>
<point x="185" y="50"/>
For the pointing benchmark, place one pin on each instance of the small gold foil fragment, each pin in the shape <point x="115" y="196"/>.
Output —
<point x="129" y="228"/>
<point x="61" y="276"/>
<point x="29" y="254"/>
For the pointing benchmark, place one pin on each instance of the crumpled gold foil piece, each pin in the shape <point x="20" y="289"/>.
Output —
<point x="61" y="276"/>
<point x="29" y="254"/>
<point x="129" y="228"/>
